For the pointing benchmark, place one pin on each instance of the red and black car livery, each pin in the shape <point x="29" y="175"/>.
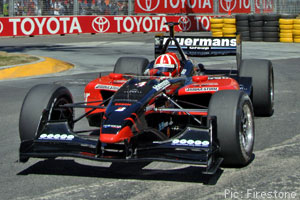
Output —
<point x="203" y="117"/>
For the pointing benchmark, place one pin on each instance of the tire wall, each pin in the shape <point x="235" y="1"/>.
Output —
<point x="223" y="27"/>
<point x="258" y="27"/>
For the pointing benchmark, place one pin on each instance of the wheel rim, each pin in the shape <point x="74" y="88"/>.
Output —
<point x="247" y="128"/>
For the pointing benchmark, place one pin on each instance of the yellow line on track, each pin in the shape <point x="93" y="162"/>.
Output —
<point x="48" y="66"/>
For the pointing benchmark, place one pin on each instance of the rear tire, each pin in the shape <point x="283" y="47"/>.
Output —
<point x="235" y="126"/>
<point x="41" y="98"/>
<point x="261" y="72"/>
<point x="131" y="65"/>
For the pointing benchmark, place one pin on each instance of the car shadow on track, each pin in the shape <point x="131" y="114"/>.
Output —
<point x="121" y="171"/>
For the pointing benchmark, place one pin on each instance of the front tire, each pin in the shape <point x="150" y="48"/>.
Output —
<point x="40" y="105"/>
<point x="235" y="126"/>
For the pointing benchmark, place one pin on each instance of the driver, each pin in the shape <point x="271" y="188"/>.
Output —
<point x="166" y="65"/>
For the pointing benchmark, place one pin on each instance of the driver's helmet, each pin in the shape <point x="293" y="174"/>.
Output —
<point x="166" y="65"/>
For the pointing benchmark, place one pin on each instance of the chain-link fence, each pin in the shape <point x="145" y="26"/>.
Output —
<point x="124" y="7"/>
<point x="288" y="6"/>
<point x="63" y="7"/>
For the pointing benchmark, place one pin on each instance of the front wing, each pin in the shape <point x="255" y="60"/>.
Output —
<point x="193" y="145"/>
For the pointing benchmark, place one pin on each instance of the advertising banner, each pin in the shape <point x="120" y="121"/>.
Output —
<point x="174" y="6"/>
<point x="264" y="6"/>
<point x="27" y="26"/>
<point x="235" y="6"/>
<point x="244" y="6"/>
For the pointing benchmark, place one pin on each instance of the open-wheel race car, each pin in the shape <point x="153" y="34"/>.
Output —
<point x="168" y="109"/>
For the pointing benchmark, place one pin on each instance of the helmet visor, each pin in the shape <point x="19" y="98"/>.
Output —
<point x="165" y="67"/>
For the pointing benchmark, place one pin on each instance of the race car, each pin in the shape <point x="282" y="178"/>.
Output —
<point x="168" y="109"/>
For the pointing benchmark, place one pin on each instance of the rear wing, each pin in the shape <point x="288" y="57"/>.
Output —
<point x="202" y="46"/>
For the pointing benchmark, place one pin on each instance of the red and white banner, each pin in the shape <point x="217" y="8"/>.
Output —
<point x="266" y="6"/>
<point x="244" y="6"/>
<point x="173" y="6"/>
<point x="26" y="26"/>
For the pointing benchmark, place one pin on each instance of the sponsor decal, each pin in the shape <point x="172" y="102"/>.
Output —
<point x="161" y="86"/>
<point x="204" y="89"/>
<point x="101" y="24"/>
<point x="133" y="91"/>
<point x="207" y="84"/>
<point x="185" y="142"/>
<point x="106" y="87"/>
<point x="112" y="126"/>
<point x="45" y="136"/>
<point x="119" y="81"/>
<point x="141" y="84"/>
<point x="217" y="77"/>
<point x="1" y="27"/>
<point x="242" y="87"/>
<point x="120" y="109"/>
<point x="204" y="42"/>
<point x="86" y="96"/>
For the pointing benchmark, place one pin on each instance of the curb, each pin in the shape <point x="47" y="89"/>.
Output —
<point x="44" y="66"/>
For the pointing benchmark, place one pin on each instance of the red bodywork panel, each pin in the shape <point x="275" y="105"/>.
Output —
<point x="124" y="133"/>
<point x="209" y="84"/>
<point x="112" y="82"/>
<point x="92" y="90"/>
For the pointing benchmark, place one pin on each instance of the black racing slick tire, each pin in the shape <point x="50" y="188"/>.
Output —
<point x="256" y="34"/>
<point x="244" y="34"/>
<point x="242" y="23"/>
<point x="256" y="17"/>
<point x="242" y="17"/>
<point x="271" y="34"/>
<point x="235" y="126"/>
<point x="271" y="39"/>
<point x="271" y="24"/>
<point x="40" y="105"/>
<point x="261" y="72"/>
<point x="256" y="29"/>
<point x="242" y="28"/>
<point x="257" y="39"/>
<point x="271" y="17"/>
<point x="131" y="65"/>
<point x="256" y="24"/>
<point x="271" y="29"/>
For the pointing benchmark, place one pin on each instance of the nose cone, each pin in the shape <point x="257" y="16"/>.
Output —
<point x="117" y="124"/>
<point x="122" y="134"/>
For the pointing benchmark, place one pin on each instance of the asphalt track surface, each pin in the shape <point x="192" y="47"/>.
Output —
<point x="274" y="172"/>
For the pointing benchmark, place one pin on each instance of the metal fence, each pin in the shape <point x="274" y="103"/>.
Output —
<point x="64" y="7"/>
<point x="12" y="8"/>
<point x="288" y="6"/>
